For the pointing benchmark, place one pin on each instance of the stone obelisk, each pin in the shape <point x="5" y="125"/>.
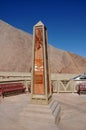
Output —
<point x="40" y="84"/>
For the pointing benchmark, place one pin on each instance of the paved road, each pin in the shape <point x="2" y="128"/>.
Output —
<point x="14" y="113"/>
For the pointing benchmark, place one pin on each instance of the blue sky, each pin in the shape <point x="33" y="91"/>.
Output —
<point x="64" y="19"/>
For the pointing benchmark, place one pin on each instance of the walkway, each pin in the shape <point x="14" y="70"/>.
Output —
<point x="16" y="113"/>
<point x="73" y="111"/>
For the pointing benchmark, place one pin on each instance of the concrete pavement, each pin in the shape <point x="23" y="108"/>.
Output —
<point x="17" y="113"/>
<point x="73" y="111"/>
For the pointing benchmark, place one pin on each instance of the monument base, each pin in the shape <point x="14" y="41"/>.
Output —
<point x="38" y="99"/>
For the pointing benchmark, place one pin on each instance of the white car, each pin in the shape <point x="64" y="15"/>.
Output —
<point x="80" y="77"/>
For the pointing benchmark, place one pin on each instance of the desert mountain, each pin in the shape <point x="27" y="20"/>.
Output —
<point x="16" y="53"/>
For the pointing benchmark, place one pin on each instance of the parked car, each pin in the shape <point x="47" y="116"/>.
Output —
<point x="80" y="77"/>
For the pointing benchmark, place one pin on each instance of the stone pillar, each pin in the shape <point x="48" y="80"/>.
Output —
<point x="40" y="84"/>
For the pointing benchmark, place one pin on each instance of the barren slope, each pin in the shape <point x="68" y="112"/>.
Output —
<point x="16" y="53"/>
<point x="15" y="49"/>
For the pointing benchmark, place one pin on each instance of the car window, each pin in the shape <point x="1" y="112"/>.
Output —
<point x="83" y="77"/>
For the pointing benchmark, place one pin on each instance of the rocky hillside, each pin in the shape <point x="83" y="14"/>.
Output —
<point x="16" y="53"/>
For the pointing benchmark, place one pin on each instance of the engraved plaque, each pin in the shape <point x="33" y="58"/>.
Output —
<point x="38" y="79"/>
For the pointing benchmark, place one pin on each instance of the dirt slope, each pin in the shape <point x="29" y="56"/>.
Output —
<point x="16" y="53"/>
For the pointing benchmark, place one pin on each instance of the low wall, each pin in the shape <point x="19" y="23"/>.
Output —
<point x="60" y="82"/>
<point x="64" y="86"/>
<point x="65" y="83"/>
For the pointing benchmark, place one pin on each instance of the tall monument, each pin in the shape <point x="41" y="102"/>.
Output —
<point x="40" y="85"/>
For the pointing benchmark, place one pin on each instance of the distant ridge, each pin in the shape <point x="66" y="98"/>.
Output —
<point x="16" y="53"/>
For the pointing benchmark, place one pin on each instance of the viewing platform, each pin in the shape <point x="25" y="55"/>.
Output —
<point x="17" y="113"/>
